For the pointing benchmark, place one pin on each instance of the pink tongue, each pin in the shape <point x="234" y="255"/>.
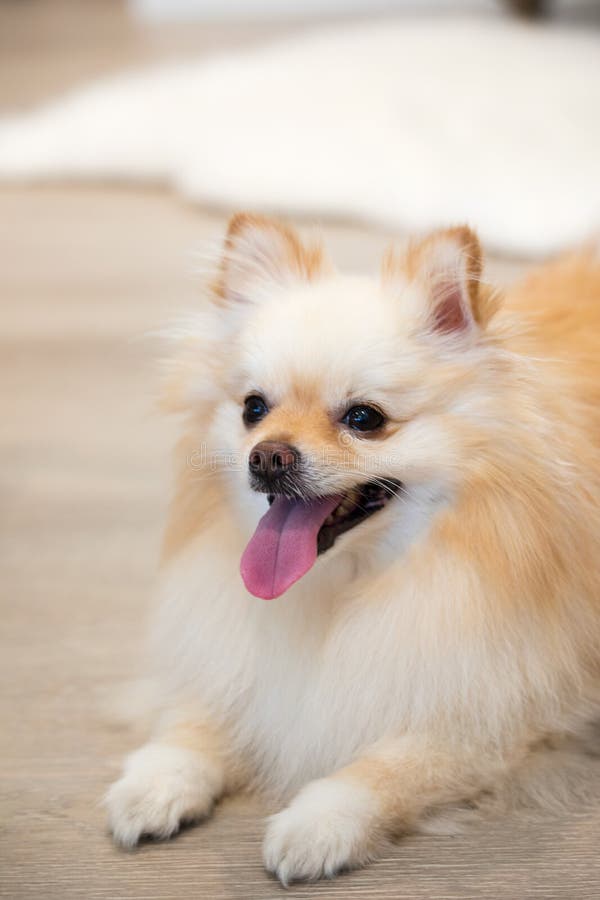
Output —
<point x="284" y="546"/>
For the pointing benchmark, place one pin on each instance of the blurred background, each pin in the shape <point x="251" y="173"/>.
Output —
<point x="128" y="133"/>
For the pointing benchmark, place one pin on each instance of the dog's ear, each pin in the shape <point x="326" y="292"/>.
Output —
<point x="443" y="273"/>
<point x="259" y="252"/>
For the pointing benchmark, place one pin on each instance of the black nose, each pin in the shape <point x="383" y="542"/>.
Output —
<point x="272" y="459"/>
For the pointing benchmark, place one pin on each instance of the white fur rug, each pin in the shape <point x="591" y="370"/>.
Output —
<point x="407" y="123"/>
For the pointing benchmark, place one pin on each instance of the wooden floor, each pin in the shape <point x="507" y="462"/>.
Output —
<point x="85" y="274"/>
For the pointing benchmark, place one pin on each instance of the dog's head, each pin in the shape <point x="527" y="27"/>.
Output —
<point x="344" y="397"/>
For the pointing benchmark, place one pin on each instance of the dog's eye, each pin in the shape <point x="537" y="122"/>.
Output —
<point x="363" y="418"/>
<point x="255" y="409"/>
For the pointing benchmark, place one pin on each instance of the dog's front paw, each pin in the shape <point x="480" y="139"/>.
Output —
<point x="161" y="787"/>
<point x="329" y="826"/>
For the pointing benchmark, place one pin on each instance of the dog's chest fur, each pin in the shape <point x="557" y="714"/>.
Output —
<point x="301" y="683"/>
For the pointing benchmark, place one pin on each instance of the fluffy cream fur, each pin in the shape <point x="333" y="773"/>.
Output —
<point x="434" y="651"/>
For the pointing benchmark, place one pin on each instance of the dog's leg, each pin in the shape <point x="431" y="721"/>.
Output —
<point x="175" y="778"/>
<point x="343" y="821"/>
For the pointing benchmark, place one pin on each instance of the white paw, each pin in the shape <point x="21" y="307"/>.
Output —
<point x="161" y="787"/>
<point x="330" y="825"/>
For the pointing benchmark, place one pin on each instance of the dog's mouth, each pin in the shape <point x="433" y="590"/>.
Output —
<point x="355" y="506"/>
<point x="293" y="532"/>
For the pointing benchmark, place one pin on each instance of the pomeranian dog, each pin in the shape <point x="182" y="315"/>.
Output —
<point x="408" y="467"/>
